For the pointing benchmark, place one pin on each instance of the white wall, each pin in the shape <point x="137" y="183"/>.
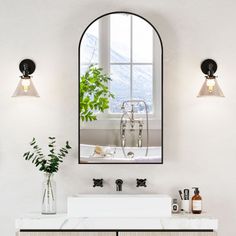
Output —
<point x="199" y="134"/>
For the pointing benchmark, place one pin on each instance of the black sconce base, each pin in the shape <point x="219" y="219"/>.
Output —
<point x="29" y="64"/>
<point x="208" y="65"/>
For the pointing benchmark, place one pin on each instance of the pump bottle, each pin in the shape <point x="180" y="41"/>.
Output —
<point x="196" y="202"/>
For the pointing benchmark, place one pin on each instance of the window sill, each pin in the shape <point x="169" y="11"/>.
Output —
<point x="114" y="123"/>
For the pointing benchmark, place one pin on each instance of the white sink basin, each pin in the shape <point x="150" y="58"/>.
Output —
<point x="119" y="205"/>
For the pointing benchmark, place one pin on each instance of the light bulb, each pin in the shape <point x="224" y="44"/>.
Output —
<point x="25" y="84"/>
<point x="210" y="84"/>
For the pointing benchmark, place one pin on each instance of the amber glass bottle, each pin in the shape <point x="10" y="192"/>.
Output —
<point x="196" y="202"/>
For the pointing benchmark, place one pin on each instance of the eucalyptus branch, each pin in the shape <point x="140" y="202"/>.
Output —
<point x="49" y="163"/>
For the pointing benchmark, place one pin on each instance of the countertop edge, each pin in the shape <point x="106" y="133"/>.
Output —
<point x="62" y="222"/>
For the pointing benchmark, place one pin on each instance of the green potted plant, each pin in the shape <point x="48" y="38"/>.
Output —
<point x="49" y="164"/>
<point x="94" y="93"/>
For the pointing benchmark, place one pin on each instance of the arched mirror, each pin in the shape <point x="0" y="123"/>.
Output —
<point x="120" y="91"/>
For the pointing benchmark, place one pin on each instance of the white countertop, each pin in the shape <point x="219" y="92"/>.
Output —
<point x="36" y="221"/>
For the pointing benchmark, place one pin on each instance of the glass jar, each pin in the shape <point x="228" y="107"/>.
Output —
<point x="49" y="194"/>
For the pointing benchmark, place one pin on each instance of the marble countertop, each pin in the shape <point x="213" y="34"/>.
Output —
<point x="36" y="221"/>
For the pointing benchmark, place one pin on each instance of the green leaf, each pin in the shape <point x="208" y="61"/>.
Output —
<point x="33" y="142"/>
<point x="52" y="150"/>
<point x="30" y="156"/>
<point x="26" y="154"/>
<point x="67" y="145"/>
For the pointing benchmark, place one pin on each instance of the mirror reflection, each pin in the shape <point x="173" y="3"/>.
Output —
<point x="120" y="91"/>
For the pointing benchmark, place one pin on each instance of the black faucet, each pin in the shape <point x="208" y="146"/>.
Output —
<point x="141" y="183"/>
<point x="97" y="183"/>
<point x="119" y="183"/>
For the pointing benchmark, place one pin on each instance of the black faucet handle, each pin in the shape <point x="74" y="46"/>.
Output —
<point x="97" y="183"/>
<point x="141" y="183"/>
<point x="119" y="183"/>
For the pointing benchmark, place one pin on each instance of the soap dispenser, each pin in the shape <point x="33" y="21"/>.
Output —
<point x="196" y="202"/>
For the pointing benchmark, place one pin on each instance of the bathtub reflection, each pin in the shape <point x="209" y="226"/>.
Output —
<point x="115" y="154"/>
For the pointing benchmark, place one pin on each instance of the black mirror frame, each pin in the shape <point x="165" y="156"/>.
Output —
<point x="162" y="116"/>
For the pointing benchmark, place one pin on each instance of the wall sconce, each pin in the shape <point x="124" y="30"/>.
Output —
<point x="210" y="87"/>
<point x="25" y="86"/>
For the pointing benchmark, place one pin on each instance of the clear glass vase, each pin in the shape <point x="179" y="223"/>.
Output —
<point x="49" y="195"/>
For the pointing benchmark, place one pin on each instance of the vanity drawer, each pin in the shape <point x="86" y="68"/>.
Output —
<point x="167" y="233"/>
<point x="66" y="233"/>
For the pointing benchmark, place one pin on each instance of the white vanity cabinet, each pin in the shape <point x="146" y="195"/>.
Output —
<point x="167" y="233"/>
<point x="67" y="233"/>
<point x="62" y="225"/>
